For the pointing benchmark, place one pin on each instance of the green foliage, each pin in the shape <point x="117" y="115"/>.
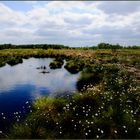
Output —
<point x="90" y="75"/>
<point x="107" y="107"/>
<point x="74" y="65"/>
<point x="33" y="46"/>
<point x="134" y="47"/>
<point x="20" y="131"/>
<point x="57" y="63"/>
<point x="14" y="61"/>
<point x="110" y="109"/>
<point x="109" y="46"/>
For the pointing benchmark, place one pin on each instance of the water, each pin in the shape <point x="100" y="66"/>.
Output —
<point x="21" y="84"/>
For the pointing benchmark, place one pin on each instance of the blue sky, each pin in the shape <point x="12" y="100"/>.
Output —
<point x="73" y="23"/>
<point x="17" y="5"/>
<point x="23" y="5"/>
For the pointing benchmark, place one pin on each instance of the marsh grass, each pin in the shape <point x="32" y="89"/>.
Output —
<point x="74" y="65"/>
<point x="103" y="55"/>
<point x="106" y="106"/>
<point x="109" y="109"/>
<point x="15" y="60"/>
<point x="56" y="63"/>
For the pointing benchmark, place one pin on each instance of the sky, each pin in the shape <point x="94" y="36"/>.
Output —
<point x="72" y="23"/>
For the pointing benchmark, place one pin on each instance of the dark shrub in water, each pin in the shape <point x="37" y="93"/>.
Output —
<point x="57" y="63"/>
<point x="15" y="60"/>
<point x="74" y="66"/>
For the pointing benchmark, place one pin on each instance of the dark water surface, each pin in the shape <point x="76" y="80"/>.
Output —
<point x="21" y="84"/>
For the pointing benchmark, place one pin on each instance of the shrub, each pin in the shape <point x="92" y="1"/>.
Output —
<point x="57" y="63"/>
<point x="74" y="66"/>
<point x="15" y="60"/>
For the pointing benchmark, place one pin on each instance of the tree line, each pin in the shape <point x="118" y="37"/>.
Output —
<point x="33" y="46"/>
<point x="57" y="46"/>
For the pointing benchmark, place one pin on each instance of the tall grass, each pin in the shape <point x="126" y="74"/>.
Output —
<point x="109" y="109"/>
<point x="98" y="55"/>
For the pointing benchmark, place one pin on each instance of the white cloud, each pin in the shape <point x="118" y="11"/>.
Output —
<point x="73" y="23"/>
<point x="119" y="7"/>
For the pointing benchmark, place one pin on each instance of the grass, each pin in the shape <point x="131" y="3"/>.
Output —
<point x="103" y="56"/>
<point x="106" y="106"/>
<point x="15" y="60"/>
<point x="109" y="109"/>
<point x="57" y="63"/>
<point x="74" y="65"/>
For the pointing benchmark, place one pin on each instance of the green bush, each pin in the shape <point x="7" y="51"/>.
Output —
<point x="15" y="60"/>
<point x="57" y="63"/>
<point x="74" y="66"/>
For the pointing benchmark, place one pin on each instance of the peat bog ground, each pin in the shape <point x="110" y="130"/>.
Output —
<point x="106" y="105"/>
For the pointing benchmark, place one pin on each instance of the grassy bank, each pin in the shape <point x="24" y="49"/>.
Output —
<point x="106" y="106"/>
<point x="108" y="109"/>
<point x="123" y="56"/>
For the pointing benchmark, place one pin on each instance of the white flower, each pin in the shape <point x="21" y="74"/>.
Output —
<point x="86" y="114"/>
<point x="97" y="136"/>
<point x="124" y="126"/>
<point x="27" y="102"/>
<point x="131" y="111"/>
<point x="86" y="134"/>
<point x="134" y="121"/>
<point x="115" y="131"/>
<point x="96" y="114"/>
<point x="89" y="130"/>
